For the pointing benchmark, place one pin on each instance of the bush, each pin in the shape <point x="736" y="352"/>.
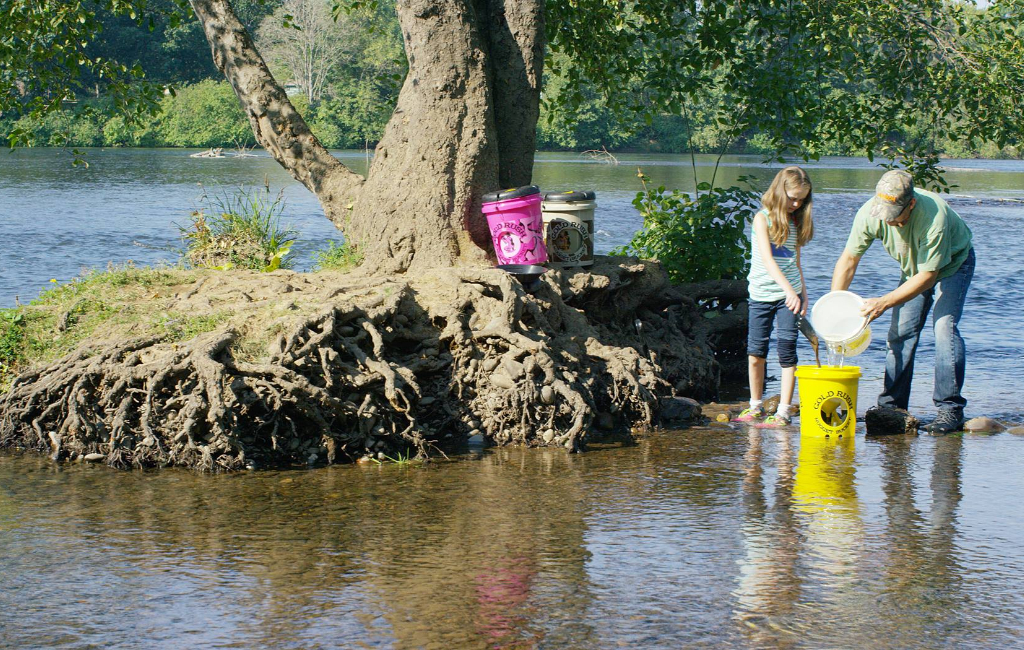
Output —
<point x="695" y="239"/>
<point x="240" y="230"/>
<point x="206" y="114"/>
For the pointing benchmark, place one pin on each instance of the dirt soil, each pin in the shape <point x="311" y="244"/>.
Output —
<point x="330" y="367"/>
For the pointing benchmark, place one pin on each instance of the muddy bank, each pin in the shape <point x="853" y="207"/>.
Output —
<point x="325" y="368"/>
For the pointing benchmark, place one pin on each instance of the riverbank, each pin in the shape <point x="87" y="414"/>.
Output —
<point x="235" y="369"/>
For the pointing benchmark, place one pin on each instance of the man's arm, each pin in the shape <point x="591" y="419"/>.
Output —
<point x="913" y="287"/>
<point x="845" y="269"/>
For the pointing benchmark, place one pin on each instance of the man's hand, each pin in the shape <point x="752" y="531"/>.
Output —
<point x="875" y="307"/>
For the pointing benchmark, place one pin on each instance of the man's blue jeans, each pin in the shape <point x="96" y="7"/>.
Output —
<point x="908" y="320"/>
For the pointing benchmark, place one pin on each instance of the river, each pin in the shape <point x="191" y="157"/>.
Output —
<point x="707" y="537"/>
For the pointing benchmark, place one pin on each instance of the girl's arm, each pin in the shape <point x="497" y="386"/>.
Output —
<point x="770" y="265"/>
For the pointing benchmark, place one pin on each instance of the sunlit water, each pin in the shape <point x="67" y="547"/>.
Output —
<point x="709" y="537"/>
<point x="701" y="538"/>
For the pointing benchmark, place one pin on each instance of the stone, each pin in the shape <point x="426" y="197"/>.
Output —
<point x="502" y="380"/>
<point x="983" y="424"/>
<point x="676" y="411"/>
<point x="1017" y="431"/>
<point x="771" y="404"/>
<point x="489" y="364"/>
<point x="548" y="436"/>
<point x="881" y="421"/>
<point x="426" y="401"/>
<point x="514" y="369"/>
<point x="547" y="395"/>
<point x="93" y="458"/>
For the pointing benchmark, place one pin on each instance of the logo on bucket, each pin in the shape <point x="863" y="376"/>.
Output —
<point x="515" y="242"/>
<point x="832" y="411"/>
<point x="568" y="240"/>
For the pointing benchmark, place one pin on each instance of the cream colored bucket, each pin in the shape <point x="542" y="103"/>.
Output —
<point x="569" y="228"/>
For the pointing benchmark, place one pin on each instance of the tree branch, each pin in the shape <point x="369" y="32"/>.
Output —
<point x="277" y="125"/>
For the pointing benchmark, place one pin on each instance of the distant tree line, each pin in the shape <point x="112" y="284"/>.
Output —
<point x="344" y="71"/>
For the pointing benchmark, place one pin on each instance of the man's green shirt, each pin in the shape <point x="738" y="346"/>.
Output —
<point x="934" y="238"/>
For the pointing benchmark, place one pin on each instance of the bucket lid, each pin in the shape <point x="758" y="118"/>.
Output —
<point x="568" y="196"/>
<point x="513" y="193"/>
<point x="836" y="316"/>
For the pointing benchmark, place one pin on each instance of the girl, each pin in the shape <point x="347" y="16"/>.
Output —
<point x="776" y="287"/>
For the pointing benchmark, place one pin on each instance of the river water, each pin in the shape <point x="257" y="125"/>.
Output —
<point x="708" y="537"/>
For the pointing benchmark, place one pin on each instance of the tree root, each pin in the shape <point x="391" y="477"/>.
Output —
<point x="385" y="367"/>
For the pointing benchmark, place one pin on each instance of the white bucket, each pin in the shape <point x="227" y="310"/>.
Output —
<point x="569" y="228"/>
<point x="837" y="319"/>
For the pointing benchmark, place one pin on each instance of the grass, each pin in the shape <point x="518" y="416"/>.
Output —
<point x="242" y="230"/>
<point x="337" y="257"/>
<point x="400" y="460"/>
<point x="116" y="300"/>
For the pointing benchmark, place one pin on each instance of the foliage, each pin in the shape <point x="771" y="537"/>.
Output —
<point x="12" y="335"/>
<point x="241" y="229"/>
<point x="800" y="73"/>
<point x="336" y="257"/>
<point x="695" y="238"/>
<point x="205" y="114"/>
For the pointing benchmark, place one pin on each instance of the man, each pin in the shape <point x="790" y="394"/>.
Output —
<point x="933" y="247"/>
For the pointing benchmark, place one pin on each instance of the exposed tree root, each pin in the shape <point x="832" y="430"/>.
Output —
<point x="382" y="366"/>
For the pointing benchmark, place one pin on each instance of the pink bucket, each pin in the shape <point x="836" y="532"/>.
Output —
<point x="516" y="224"/>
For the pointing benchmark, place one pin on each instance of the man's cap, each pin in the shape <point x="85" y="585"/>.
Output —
<point x="892" y="194"/>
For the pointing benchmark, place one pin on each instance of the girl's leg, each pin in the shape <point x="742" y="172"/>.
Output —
<point x="787" y="358"/>
<point x="759" y="329"/>
<point x="755" y="372"/>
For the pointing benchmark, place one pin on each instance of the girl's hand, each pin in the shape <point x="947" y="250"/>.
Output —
<point x="792" y="301"/>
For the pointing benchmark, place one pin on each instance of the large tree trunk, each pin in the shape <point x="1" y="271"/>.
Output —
<point x="465" y="124"/>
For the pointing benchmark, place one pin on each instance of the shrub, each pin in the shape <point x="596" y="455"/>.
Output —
<point x="206" y="114"/>
<point x="241" y="229"/>
<point x="695" y="238"/>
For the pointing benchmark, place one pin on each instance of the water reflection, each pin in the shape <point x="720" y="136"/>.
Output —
<point x="702" y="538"/>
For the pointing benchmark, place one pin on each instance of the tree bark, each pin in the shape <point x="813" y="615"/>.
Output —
<point x="515" y="31"/>
<point x="465" y="124"/>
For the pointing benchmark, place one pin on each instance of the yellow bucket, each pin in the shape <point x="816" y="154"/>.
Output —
<point x="828" y="400"/>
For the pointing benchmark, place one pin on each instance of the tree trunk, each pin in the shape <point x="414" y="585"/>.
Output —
<point x="464" y="125"/>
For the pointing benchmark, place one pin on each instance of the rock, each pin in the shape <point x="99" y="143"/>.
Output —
<point x="489" y="364"/>
<point x="1017" y="431"/>
<point x="882" y="421"/>
<point x="426" y="401"/>
<point x="771" y="404"/>
<point x="722" y="417"/>
<point x="548" y="436"/>
<point x="514" y="369"/>
<point x="474" y="424"/>
<point x="502" y="380"/>
<point x="547" y="395"/>
<point x="93" y="458"/>
<point x="677" y="411"/>
<point x="983" y="424"/>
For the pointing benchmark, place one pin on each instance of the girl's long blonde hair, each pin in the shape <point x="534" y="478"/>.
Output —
<point x="774" y="201"/>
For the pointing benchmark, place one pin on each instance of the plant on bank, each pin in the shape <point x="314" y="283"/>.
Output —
<point x="336" y="257"/>
<point x="242" y="229"/>
<point x="695" y="238"/>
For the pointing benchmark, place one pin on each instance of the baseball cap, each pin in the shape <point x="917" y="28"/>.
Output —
<point x="892" y="194"/>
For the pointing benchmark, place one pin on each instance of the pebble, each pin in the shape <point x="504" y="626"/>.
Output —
<point x="548" y="436"/>
<point x="94" y="458"/>
<point x="502" y="380"/>
<point x="474" y="424"/>
<point x="547" y="395"/>
<point x="514" y="369"/>
<point x="1017" y="431"/>
<point x="426" y="401"/>
<point x="722" y="417"/>
<point x="983" y="424"/>
<point x="489" y="364"/>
